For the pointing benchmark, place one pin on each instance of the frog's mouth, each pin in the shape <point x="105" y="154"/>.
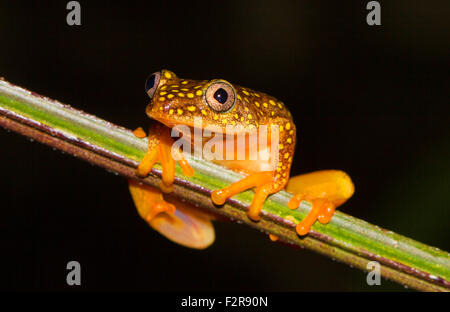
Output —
<point x="209" y="132"/>
<point x="199" y="128"/>
<point x="170" y="123"/>
<point x="194" y="123"/>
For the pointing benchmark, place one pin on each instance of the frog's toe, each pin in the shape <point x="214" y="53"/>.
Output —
<point x="260" y="180"/>
<point x="322" y="210"/>
<point x="185" y="167"/>
<point x="261" y="194"/>
<point x="149" y="200"/>
<point x="295" y="201"/>
<point x="220" y="196"/>
<point x="166" y="188"/>
<point x="160" y="207"/>
<point x="139" y="132"/>
<point x="327" y="213"/>
<point x="147" y="163"/>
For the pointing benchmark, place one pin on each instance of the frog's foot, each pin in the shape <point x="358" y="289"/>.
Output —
<point x="183" y="225"/>
<point x="322" y="210"/>
<point x="160" y="150"/>
<point x="159" y="207"/>
<point x="149" y="201"/>
<point x="325" y="189"/>
<point x="263" y="183"/>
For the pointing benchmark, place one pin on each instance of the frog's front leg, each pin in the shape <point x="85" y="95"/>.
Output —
<point x="264" y="186"/>
<point x="160" y="150"/>
<point x="326" y="190"/>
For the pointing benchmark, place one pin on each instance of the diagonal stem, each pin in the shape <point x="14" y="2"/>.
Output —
<point x="345" y="238"/>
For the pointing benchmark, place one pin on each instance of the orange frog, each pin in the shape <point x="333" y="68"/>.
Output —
<point x="221" y="105"/>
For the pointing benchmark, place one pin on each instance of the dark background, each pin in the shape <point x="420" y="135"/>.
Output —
<point x="372" y="101"/>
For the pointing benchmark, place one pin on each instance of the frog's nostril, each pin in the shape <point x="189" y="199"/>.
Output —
<point x="221" y="95"/>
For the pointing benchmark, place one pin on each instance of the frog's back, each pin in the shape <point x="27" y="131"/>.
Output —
<point x="267" y="108"/>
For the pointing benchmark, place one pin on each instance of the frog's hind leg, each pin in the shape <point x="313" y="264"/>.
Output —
<point x="149" y="201"/>
<point x="325" y="189"/>
<point x="183" y="225"/>
<point x="260" y="180"/>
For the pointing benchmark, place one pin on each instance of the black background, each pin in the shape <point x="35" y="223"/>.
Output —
<point x="370" y="100"/>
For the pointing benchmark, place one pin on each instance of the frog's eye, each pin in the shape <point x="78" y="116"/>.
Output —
<point x="220" y="96"/>
<point x="152" y="84"/>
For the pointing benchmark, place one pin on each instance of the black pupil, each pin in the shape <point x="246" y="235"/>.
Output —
<point x="150" y="83"/>
<point x="221" y="95"/>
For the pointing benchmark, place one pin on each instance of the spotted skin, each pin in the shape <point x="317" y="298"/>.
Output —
<point x="177" y="101"/>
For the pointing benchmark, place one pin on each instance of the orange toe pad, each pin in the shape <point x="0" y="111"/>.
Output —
<point x="322" y="210"/>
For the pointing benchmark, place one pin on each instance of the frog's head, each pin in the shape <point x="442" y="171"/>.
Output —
<point x="176" y="101"/>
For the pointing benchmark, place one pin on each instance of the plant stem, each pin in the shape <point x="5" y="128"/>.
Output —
<point x="345" y="238"/>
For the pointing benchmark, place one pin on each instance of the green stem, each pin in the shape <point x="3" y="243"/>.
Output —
<point x="345" y="238"/>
